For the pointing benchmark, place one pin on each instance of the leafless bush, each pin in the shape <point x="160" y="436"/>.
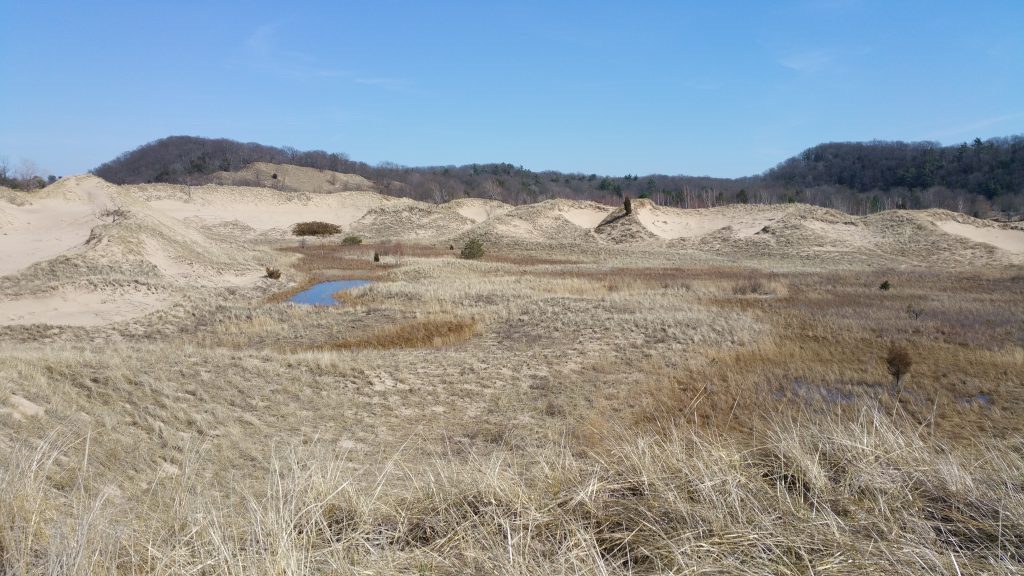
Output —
<point x="898" y="363"/>
<point x="115" y="214"/>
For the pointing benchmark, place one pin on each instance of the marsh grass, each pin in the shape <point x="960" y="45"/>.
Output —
<point x="420" y="333"/>
<point x="523" y="416"/>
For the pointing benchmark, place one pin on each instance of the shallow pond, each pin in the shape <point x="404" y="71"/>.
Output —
<point x="323" y="293"/>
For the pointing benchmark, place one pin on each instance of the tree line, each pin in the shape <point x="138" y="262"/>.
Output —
<point x="982" y="178"/>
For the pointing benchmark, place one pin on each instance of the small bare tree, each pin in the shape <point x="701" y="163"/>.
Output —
<point x="898" y="363"/>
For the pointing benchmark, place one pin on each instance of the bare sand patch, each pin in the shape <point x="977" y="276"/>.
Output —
<point x="1004" y="239"/>
<point x="261" y="208"/>
<point x="22" y="408"/>
<point x="586" y="217"/>
<point x="79" y="307"/>
<point x="672" y="223"/>
<point x="51" y="222"/>
<point x="478" y="209"/>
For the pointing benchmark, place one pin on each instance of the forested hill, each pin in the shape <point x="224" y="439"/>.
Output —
<point x="988" y="168"/>
<point x="854" y="177"/>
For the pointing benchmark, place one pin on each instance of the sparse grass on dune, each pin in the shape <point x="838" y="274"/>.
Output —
<point x="545" y="413"/>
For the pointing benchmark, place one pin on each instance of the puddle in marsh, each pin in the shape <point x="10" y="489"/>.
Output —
<point x="323" y="293"/>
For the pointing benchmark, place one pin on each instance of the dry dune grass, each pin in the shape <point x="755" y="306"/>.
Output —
<point x="420" y="333"/>
<point x="713" y="403"/>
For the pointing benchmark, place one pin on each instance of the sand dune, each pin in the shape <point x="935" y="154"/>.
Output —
<point x="293" y="178"/>
<point x="478" y="209"/>
<point x="65" y="259"/>
<point x="411" y="220"/>
<point x="51" y="222"/>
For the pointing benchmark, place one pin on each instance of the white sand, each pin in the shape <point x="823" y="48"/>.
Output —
<point x="51" y="223"/>
<point x="1005" y="239"/>
<point x="265" y="209"/>
<point x="77" y="307"/>
<point x="586" y="217"/>
<point x="671" y="223"/>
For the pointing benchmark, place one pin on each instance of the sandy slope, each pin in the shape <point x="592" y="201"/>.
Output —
<point x="50" y="222"/>
<point x="79" y="307"/>
<point x="477" y="209"/>
<point x="1009" y="239"/>
<point x="260" y="208"/>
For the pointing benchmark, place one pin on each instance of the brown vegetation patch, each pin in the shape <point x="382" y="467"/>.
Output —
<point x="421" y="333"/>
<point x="315" y="228"/>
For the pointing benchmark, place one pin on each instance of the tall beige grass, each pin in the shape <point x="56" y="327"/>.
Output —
<point x="812" y="495"/>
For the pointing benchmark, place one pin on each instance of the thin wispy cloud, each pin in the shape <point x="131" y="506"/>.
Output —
<point x="264" y="52"/>
<point x="806" y="62"/>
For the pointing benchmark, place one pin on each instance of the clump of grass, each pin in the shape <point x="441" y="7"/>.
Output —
<point x="756" y="287"/>
<point x="352" y="240"/>
<point x="422" y="333"/>
<point x="472" y="249"/>
<point x="315" y="228"/>
<point x="273" y="273"/>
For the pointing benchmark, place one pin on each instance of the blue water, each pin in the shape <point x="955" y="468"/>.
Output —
<point x="323" y="293"/>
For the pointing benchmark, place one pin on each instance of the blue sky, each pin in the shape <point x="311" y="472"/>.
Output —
<point x="716" y="88"/>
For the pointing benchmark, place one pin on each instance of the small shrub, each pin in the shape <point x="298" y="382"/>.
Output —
<point x="315" y="229"/>
<point x="898" y="363"/>
<point x="115" y="214"/>
<point x="273" y="273"/>
<point x="472" y="250"/>
<point x="352" y="240"/>
<point x="751" y="286"/>
<point x="627" y="205"/>
<point x="884" y="285"/>
<point x="376" y="257"/>
<point x="915" y="312"/>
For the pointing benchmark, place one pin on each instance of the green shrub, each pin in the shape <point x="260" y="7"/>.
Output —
<point x="352" y="240"/>
<point x="315" y="229"/>
<point x="885" y="285"/>
<point x="472" y="249"/>
<point x="376" y="257"/>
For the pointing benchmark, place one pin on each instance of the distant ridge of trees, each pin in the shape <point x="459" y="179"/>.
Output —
<point x="856" y="177"/>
